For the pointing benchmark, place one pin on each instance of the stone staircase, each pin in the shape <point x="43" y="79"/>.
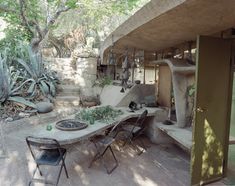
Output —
<point x="71" y="76"/>
<point x="68" y="96"/>
<point x="68" y="90"/>
<point x="65" y="70"/>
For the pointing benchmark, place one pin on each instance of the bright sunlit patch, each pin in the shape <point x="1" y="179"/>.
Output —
<point x="143" y="180"/>
<point x="212" y="158"/>
<point x="82" y="175"/>
<point x="211" y="170"/>
<point x="3" y="25"/>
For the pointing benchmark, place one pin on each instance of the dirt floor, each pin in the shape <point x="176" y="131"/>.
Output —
<point x="158" y="166"/>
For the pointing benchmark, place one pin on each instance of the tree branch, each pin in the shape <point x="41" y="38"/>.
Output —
<point x="37" y="28"/>
<point x="54" y="18"/>
<point x="57" y="14"/>
<point x="23" y="17"/>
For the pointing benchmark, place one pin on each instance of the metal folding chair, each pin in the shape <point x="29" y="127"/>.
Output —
<point x="102" y="144"/>
<point x="134" y="129"/>
<point x="46" y="151"/>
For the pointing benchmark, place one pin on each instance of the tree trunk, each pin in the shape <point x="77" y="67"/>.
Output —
<point x="35" y="44"/>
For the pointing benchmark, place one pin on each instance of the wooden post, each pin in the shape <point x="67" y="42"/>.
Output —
<point x="115" y="70"/>
<point x="133" y="67"/>
<point x="190" y="49"/>
<point x="144" y="69"/>
<point x="155" y="73"/>
<point x="155" y="68"/>
<point x="182" y="51"/>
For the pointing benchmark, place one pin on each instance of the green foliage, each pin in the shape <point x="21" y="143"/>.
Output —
<point x="4" y="92"/>
<point x="105" y="113"/>
<point x="12" y="41"/>
<point x="39" y="78"/>
<point x="30" y="19"/>
<point x="24" y="77"/>
<point x="94" y="12"/>
<point x="10" y="85"/>
<point x="103" y="81"/>
<point x="191" y="90"/>
<point x="71" y="3"/>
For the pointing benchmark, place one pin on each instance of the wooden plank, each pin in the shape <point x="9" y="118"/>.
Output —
<point x="212" y="114"/>
<point x="164" y="86"/>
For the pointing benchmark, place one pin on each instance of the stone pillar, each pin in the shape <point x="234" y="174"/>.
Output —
<point x="180" y="89"/>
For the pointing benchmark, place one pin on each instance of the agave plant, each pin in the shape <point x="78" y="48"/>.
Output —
<point x="10" y="84"/>
<point x="39" y="77"/>
<point x="4" y="93"/>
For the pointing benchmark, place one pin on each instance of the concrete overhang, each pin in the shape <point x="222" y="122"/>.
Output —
<point x="161" y="24"/>
<point x="177" y="65"/>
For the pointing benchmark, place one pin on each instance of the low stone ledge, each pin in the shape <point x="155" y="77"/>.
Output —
<point x="37" y="119"/>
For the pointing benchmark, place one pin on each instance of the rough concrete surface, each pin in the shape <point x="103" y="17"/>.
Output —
<point x="70" y="137"/>
<point x="158" y="166"/>
<point x="180" y="70"/>
<point x="137" y="94"/>
<point x="162" y="24"/>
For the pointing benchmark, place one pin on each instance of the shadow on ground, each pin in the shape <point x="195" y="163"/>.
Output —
<point x="158" y="166"/>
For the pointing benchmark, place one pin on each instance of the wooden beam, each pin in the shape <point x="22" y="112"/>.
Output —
<point x="133" y="67"/>
<point x="155" y="68"/>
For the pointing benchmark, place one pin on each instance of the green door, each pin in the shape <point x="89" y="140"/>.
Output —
<point x="212" y="103"/>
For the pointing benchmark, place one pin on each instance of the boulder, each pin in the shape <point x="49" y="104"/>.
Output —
<point x="44" y="107"/>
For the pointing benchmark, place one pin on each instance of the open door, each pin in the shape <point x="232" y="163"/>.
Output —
<point x="212" y="116"/>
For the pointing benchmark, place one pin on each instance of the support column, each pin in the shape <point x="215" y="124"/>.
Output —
<point x="144" y="69"/>
<point x="155" y="68"/>
<point x="133" y="67"/>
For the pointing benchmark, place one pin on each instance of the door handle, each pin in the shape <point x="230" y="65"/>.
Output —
<point x="201" y="110"/>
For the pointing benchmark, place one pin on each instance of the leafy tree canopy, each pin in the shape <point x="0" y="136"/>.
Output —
<point x="30" y="20"/>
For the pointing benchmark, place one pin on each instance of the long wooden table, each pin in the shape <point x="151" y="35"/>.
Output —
<point x="71" y="137"/>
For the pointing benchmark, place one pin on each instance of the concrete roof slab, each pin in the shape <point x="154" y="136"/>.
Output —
<point x="163" y="23"/>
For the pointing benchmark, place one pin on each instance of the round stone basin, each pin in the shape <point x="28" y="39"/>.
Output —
<point x="70" y="125"/>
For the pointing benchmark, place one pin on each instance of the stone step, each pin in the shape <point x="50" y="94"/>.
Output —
<point x="67" y="93"/>
<point x="69" y="101"/>
<point x="67" y="98"/>
<point x="68" y="81"/>
<point x="68" y="90"/>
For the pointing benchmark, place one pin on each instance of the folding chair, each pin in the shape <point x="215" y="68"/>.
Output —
<point x="46" y="151"/>
<point x="102" y="144"/>
<point x="134" y="129"/>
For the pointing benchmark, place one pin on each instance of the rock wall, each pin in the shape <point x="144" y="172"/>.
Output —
<point x="81" y="72"/>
